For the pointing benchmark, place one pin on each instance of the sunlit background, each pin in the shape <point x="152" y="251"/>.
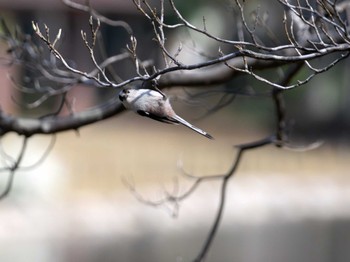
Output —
<point x="78" y="205"/>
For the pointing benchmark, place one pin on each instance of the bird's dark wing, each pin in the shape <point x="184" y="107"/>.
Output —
<point x="157" y="118"/>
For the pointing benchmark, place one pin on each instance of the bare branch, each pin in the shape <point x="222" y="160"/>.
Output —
<point x="96" y="15"/>
<point x="55" y="124"/>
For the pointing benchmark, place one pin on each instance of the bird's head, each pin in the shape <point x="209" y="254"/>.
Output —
<point x="123" y="95"/>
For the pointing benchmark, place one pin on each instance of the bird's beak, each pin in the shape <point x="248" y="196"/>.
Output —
<point x="122" y="96"/>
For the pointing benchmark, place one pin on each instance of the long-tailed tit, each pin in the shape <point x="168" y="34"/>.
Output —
<point x="155" y="105"/>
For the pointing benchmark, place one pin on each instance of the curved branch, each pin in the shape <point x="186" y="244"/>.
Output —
<point x="96" y="15"/>
<point x="225" y="179"/>
<point x="56" y="124"/>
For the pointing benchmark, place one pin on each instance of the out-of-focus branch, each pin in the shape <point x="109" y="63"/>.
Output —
<point x="13" y="168"/>
<point x="87" y="8"/>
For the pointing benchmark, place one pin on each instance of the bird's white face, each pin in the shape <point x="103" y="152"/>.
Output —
<point x="124" y="95"/>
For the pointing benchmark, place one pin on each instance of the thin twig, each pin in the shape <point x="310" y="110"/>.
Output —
<point x="13" y="169"/>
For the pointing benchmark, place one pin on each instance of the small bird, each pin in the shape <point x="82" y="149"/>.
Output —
<point x="155" y="105"/>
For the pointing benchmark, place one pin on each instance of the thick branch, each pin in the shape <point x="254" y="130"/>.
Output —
<point x="55" y="124"/>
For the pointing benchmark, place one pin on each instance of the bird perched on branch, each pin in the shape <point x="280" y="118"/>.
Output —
<point x="155" y="105"/>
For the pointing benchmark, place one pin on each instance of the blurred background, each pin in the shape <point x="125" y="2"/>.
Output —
<point x="76" y="206"/>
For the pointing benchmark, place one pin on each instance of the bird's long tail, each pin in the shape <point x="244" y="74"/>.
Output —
<point x="196" y="129"/>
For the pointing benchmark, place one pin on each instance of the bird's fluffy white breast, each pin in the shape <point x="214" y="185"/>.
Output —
<point x="143" y="99"/>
